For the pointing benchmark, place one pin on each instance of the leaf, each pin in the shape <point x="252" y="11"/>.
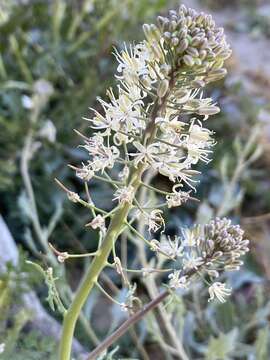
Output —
<point x="220" y="348"/>
<point x="261" y="344"/>
<point x="53" y="297"/>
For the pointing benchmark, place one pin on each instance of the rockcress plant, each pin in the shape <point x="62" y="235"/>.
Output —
<point x="154" y="120"/>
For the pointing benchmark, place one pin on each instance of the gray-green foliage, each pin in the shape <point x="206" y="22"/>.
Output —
<point x="69" y="44"/>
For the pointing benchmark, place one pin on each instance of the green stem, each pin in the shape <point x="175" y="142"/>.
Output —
<point x="94" y="270"/>
<point x="118" y="222"/>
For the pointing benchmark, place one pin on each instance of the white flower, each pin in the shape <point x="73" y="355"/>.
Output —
<point x="191" y="236"/>
<point x="219" y="291"/>
<point x="177" y="198"/>
<point x="196" y="153"/>
<point x="85" y="173"/>
<point x="102" y="156"/>
<point x="177" y="281"/>
<point x="132" y="63"/>
<point x="154" y="220"/>
<point x="124" y="195"/>
<point x="201" y="107"/>
<point x="199" y="134"/>
<point x="177" y="172"/>
<point x="122" y="113"/>
<point x="172" y="248"/>
<point x="146" y="153"/>
<point x="192" y="262"/>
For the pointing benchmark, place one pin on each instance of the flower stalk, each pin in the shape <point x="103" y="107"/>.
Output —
<point x="92" y="274"/>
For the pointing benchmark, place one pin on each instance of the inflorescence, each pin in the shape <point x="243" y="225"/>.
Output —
<point x="155" y="120"/>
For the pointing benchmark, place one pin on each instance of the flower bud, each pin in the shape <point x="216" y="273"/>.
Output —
<point x="188" y="60"/>
<point x="162" y="88"/>
<point x="182" y="46"/>
<point x="175" y="41"/>
<point x="192" y="51"/>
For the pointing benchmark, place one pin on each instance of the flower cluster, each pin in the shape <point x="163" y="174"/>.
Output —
<point x="224" y="241"/>
<point x="179" y="56"/>
<point x="196" y="40"/>
<point x="212" y="249"/>
<point x="155" y="120"/>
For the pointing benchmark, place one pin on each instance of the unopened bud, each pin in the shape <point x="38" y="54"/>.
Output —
<point x="188" y="60"/>
<point x="183" y="45"/>
<point x="162" y="88"/>
<point x="208" y="110"/>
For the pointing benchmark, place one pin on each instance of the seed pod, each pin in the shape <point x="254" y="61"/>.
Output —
<point x="163" y="87"/>
<point x="188" y="60"/>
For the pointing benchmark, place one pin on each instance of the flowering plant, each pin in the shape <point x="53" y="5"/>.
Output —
<point x="154" y="123"/>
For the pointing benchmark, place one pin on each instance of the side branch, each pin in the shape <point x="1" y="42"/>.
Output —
<point x="127" y="324"/>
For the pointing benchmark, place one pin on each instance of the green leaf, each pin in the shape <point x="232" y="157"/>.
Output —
<point x="221" y="347"/>
<point x="261" y="344"/>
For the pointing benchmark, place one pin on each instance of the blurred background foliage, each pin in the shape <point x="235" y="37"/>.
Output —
<point x="55" y="59"/>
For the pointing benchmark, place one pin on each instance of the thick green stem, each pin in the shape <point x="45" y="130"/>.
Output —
<point x="92" y="274"/>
